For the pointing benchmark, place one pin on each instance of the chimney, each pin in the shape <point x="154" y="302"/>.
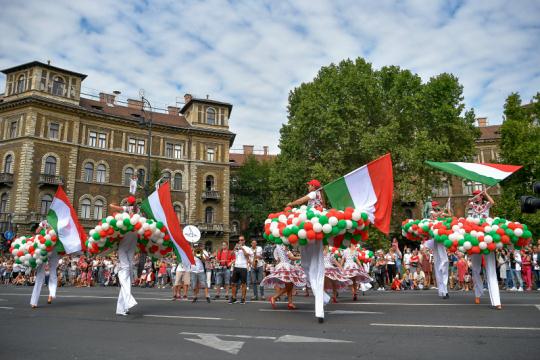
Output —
<point x="265" y="150"/>
<point x="107" y="98"/>
<point x="187" y="98"/>
<point x="173" y="110"/>
<point x="482" y="122"/>
<point x="248" y="149"/>
<point x="135" y="104"/>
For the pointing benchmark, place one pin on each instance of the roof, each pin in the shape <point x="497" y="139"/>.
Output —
<point x="238" y="159"/>
<point x="47" y="66"/>
<point x="206" y="101"/>
<point x="491" y="132"/>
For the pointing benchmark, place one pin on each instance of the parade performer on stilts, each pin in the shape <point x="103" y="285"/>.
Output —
<point x="478" y="208"/>
<point x="334" y="279"/>
<point x="285" y="276"/>
<point x="312" y="254"/>
<point x="126" y="253"/>
<point x="63" y="225"/>
<point x="440" y="256"/>
<point x="353" y="270"/>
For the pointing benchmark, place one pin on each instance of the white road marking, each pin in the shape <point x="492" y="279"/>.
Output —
<point x="538" y="307"/>
<point x="228" y="346"/>
<point x="230" y="335"/>
<point x="423" y="304"/>
<point x="458" y="327"/>
<point x="331" y="312"/>
<point x="307" y="339"/>
<point x="6" y="307"/>
<point x="187" y="317"/>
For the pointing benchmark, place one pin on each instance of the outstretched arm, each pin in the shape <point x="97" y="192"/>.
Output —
<point x="302" y="200"/>
<point x="116" y="207"/>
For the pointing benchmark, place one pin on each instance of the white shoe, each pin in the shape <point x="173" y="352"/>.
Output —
<point x="513" y="289"/>
<point x="520" y="289"/>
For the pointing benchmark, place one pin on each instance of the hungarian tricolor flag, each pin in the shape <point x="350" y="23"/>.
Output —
<point x="63" y="219"/>
<point x="484" y="173"/>
<point x="369" y="188"/>
<point x="158" y="206"/>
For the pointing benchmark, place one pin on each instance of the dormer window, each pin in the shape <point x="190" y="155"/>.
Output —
<point x="21" y="84"/>
<point x="211" y="116"/>
<point x="58" y="86"/>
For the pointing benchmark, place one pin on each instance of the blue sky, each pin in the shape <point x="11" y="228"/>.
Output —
<point x="252" y="53"/>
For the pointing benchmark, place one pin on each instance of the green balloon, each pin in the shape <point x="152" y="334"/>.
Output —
<point x="474" y="241"/>
<point x="103" y="221"/>
<point x="342" y="224"/>
<point x="96" y="236"/>
<point x="113" y="223"/>
<point x="48" y="243"/>
<point x="364" y="216"/>
<point x="295" y="229"/>
<point x="335" y="230"/>
<point x="526" y="234"/>
<point x="126" y="222"/>
<point x="448" y="243"/>
<point x="301" y="225"/>
<point x="323" y="220"/>
<point x="159" y="224"/>
<point x="278" y="241"/>
<point x="286" y="232"/>
<point x="485" y="251"/>
<point x="302" y="242"/>
<point x="17" y="261"/>
<point x="310" y="215"/>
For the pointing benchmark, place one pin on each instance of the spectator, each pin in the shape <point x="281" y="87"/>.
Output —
<point x="426" y="265"/>
<point x="413" y="261"/>
<point x="198" y="277"/>
<point x="419" y="279"/>
<point x="380" y="270"/>
<point x="391" y="264"/>
<point x="526" y="268"/>
<point x="181" y="281"/>
<point x="224" y="259"/>
<point x="242" y="253"/>
<point x="515" y="266"/>
<point x="256" y="270"/>
<point x="536" y="265"/>
<point x="396" y="284"/>
<point x="462" y="270"/>
<point x="406" y="280"/>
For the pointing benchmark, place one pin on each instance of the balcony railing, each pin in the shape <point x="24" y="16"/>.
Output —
<point x="205" y="227"/>
<point x="6" y="178"/>
<point x="46" y="179"/>
<point x="211" y="195"/>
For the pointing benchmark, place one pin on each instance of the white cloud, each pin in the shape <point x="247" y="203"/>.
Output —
<point x="253" y="53"/>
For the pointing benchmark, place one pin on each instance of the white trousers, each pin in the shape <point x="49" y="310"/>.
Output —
<point x="313" y="265"/>
<point x="40" y="278"/>
<point x="440" y="264"/>
<point x="126" y="252"/>
<point x="490" y="273"/>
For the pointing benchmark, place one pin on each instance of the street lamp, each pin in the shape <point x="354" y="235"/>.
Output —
<point x="143" y="122"/>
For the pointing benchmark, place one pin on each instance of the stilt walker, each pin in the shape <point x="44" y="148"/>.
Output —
<point x="440" y="256"/>
<point x="40" y="273"/>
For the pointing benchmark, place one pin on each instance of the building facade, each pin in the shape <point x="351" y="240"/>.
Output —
<point x="50" y="135"/>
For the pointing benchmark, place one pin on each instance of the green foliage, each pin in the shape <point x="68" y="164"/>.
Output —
<point x="251" y="193"/>
<point x="350" y="114"/>
<point x="156" y="172"/>
<point x="520" y="145"/>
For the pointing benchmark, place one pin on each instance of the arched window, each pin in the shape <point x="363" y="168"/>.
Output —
<point x="209" y="215"/>
<point x="442" y="191"/>
<point x="209" y="183"/>
<point x="177" y="184"/>
<point x="166" y="176"/>
<point x="8" y="164"/>
<point x="128" y="173"/>
<point x="85" y="208"/>
<point x="58" y="86"/>
<point x="50" y="165"/>
<point x="211" y="116"/>
<point x="178" y="212"/>
<point x="470" y="186"/>
<point x="21" y="84"/>
<point x="101" y="170"/>
<point x="88" y="172"/>
<point x="235" y="226"/>
<point x="98" y="209"/>
<point x="46" y="201"/>
<point x="3" y="203"/>
<point x="141" y="174"/>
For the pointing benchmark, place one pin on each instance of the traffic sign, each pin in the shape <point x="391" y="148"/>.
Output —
<point x="192" y="233"/>
<point x="8" y="235"/>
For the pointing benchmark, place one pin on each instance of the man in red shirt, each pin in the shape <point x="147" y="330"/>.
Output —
<point x="224" y="258"/>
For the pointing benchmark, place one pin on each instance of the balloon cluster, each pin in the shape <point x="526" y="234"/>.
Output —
<point x="34" y="250"/>
<point x="152" y="236"/>
<point x="365" y="256"/>
<point x="299" y="226"/>
<point x="471" y="235"/>
<point x="416" y="230"/>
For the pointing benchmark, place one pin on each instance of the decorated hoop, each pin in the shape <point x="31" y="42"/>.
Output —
<point x="35" y="250"/>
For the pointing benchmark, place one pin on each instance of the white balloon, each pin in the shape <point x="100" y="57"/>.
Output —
<point x="349" y="224"/>
<point x="106" y="226"/>
<point x="327" y="228"/>
<point x="499" y="245"/>
<point x="461" y="249"/>
<point x="467" y="245"/>
<point x="333" y="221"/>
<point x="275" y="232"/>
<point x="315" y="220"/>
<point x="494" y="227"/>
<point x="455" y="228"/>
<point x="267" y="221"/>
<point x="302" y="234"/>
<point x="488" y="239"/>
<point x="317" y="227"/>
<point x="356" y="215"/>
<point x="282" y="218"/>
<point x="518" y="232"/>
<point x="487" y="229"/>
<point x="482" y="245"/>
<point x="302" y="217"/>
<point x="92" y="232"/>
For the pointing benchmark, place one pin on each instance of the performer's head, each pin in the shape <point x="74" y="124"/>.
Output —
<point x="313" y="184"/>
<point x="435" y="205"/>
<point x="478" y="197"/>
<point x="130" y="200"/>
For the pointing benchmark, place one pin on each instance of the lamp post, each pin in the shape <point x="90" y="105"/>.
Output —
<point x="143" y="122"/>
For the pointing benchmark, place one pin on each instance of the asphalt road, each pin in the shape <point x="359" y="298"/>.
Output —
<point x="81" y="324"/>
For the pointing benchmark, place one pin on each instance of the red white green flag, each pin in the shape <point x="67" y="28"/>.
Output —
<point x="484" y="173"/>
<point x="159" y="207"/>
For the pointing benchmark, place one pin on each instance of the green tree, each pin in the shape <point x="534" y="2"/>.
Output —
<point x="520" y="145"/>
<point x="350" y="114"/>
<point x="252" y="193"/>
<point x="156" y="173"/>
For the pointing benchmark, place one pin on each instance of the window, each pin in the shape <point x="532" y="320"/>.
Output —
<point x="43" y="82"/>
<point x="177" y="183"/>
<point x="442" y="191"/>
<point x="98" y="209"/>
<point x="234" y="227"/>
<point x="177" y="151"/>
<point x="50" y="165"/>
<point x="209" y="183"/>
<point x="101" y="171"/>
<point x="169" y="150"/>
<point x="128" y="173"/>
<point x="132" y="145"/>
<point x="88" y="172"/>
<point x="54" y="130"/>
<point x="166" y="176"/>
<point x="140" y="177"/>
<point x="140" y="146"/>
<point x="58" y="86"/>
<point x="470" y="186"/>
<point x="211" y="116"/>
<point x="209" y="215"/>
<point x="85" y="209"/>
<point x="178" y="212"/>
<point x="21" y="84"/>
<point x="13" y="129"/>
<point x="3" y="203"/>
<point x="46" y="201"/>
<point x="102" y="141"/>
<point x="8" y="164"/>
<point x="92" y="138"/>
<point x="210" y="154"/>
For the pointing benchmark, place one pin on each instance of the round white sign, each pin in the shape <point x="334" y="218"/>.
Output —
<point x="192" y="233"/>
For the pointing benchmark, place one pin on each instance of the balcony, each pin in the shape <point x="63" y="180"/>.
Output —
<point x="46" y="179"/>
<point x="210" y="228"/>
<point x="6" y="179"/>
<point x="211" y="195"/>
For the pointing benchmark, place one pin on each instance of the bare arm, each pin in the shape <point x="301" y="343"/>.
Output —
<point x="116" y="207"/>
<point x="489" y="198"/>
<point x="302" y="200"/>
